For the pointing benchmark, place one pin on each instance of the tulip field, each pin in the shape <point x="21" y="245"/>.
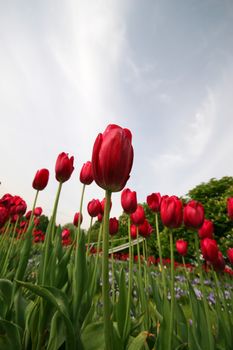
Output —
<point x="63" y="291"/>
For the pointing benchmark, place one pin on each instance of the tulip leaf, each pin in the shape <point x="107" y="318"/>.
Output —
<point x="10" y="336"/>
<point x="139" y="342"/>
<point x="6" y="287"/>
<point x="93" y="336"/>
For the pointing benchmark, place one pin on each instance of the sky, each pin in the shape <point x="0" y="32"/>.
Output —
<point x="162" y="68"/>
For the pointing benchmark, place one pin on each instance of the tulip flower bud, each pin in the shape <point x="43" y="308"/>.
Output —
<point x="171" y="211"/>
<point x="209" y="249"/>
<point x="129" y="201"/>
<point x="103" y="205"/>
<point x="18" y="206"/>
<point x="230" y="207"/>
<point x="113" y="226"/>
<point x="112" y="158"/>
<point x="76" y="219"/>
<point x="145" y="229"/>
<point x="133" y="231"/>
<point x="154" y="201"/>
<point x="94" y="207"/>
<point x="230" y="255"/>
<point x="41" y="179"/>
<point x="6" y="200"/>
<point x="86" y="176"/>
<point x="206" y="230"/>
<point x="64" y="167"/>
<point x="219" y="264"/>
<point x="38" y="211"/>
<point x="182" y="247"/>
<point x="138" y="216"/>
<point x="28" y="214"/>
<point x="100" y="217"/>
<point x="194" y="214"/>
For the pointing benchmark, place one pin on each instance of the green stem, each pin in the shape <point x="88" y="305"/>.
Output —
<point x="171" y="326"/>
<point x="33" y="207"/>
<point x="89" y="237"/>
<point x="113" y="273"/>
<point x="160" y="256"/>
<point x="130" y="276"/>
<point x="105" y="275"/>
<point x="7" y="258"/>
<point x="203" y="290"/>
<point x="93" y="282"/>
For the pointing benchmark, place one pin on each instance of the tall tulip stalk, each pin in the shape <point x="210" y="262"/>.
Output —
<point x="112" y="160"/>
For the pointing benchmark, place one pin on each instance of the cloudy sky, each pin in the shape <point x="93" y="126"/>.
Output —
<point x="162" y="68"/>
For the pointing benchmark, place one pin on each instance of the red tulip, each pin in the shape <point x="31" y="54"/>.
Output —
<point x="133" y="231"/>
<point x="6" y="200"/>
<point x="145" y="229"/>
<point x="38" y="211"/>
<point x="113" y="226"/>
<point x="64" y="167"/>
<point x="154" y="201"/>
<point x="129" y="201"/>
<point x="209" y="249"/>
<point x="206" y="230"/>
<point x="219" y="264"/>
<point x="28" y="214"/>
<point x="182" y="247"/>
<point x="112" y="158"/>
<point x="18" y="206"/>
<point x="76" y="219"/>
<point x="138" y="216"/>
<point x="65" y="234"/>
<point x="100" y="217"/>
<point x="103" y="205"/>
<point x="194" y="214"/>
<point x="94" y="207"/>
<point x="230" y="207"/>
<point x="4" y="215"/>
<point x="86" y="176"/>
<point x="171" y="211"/>
<point x="41" y="179"/>
<point x="230" y="255"/>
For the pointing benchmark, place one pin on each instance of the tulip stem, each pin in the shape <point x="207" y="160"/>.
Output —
<point x="89" y="237"/>
<point x="113" y="273"/>
<point x="105" y="275"/>
<point x="160" y="256"/>
<point x="171" y="326"/>
<point x="33" y="207"/>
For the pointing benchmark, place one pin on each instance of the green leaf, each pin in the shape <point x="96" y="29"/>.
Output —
<point x="6" y="287"/>
<point x="10" y="336"/>
<point x="93" y="336"/>
<point x="139" y="342"/>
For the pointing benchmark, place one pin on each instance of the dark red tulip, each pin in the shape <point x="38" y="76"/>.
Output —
<point x="41" y="179"/>
<point x="182" y="247"/>
<point x="113" y="226"/>
<point x="112" y="158"/>
<point x="76" y="219"/>
<point x="28" y="214"/>
<point x="230" y="255"/>
<point x="206" y="230"/>
<point x="129" y="201"/>
<point x="100" y="217"/>
<point x="86" y="176"/>
<point x="6" y="200"/>
<point x="194" y="214"/>
<point x="230" y="207"/>
<point x="219" y="264"/>
<point x="145" y="229"/>
<point x="94" y="207"/>
<point x="4" y="215"/>
<point x="133" y="231"/>
<point x="103" y="205"/>
<point x="65" y="233"/>
<point x="64" y="167"/>
<point x="154" y="201"/>
<point x="138" y="216"/>
<point x="209" y="249"/>
<point x="38" y="211"/>
<point x="171" y="211"/>
<point x="18" y="206"/>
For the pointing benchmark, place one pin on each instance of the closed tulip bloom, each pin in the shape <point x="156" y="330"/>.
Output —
<point x="18" y="206"/>
<point x="145" y="229"/>
<point x="41" y="179"/>
<point x="76" y="219"/>
<point x="154" y="201"/>
<point x="219" y="264"/>
<point x="230" y="255"/>
<point x="182" y="247"/>
<point x="138" y="217"/>
<point x="64" y="167"/>
<point x="4" y="215"/>
<point x="112" y="158"/>
<point x="171" y="211"/>
<point x="209" y="249"/>
<point x="194" y="214"/>
<point x="129" y="201"/>
<point x="133" y="231"/>
<point x="86" y="176"/>
<point x="100" y="217"/>
<point x="38" y="211"/>
<point x="6" y="200"/>
<point x="28" y="214"/>
<point x="113" y="226"/>
<point x="206" y="230"/>
<point x="103" y="205"/>
<point x="230" y="207"/>
<point x="94" y="207"/>
<point x="65" y="233"/>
